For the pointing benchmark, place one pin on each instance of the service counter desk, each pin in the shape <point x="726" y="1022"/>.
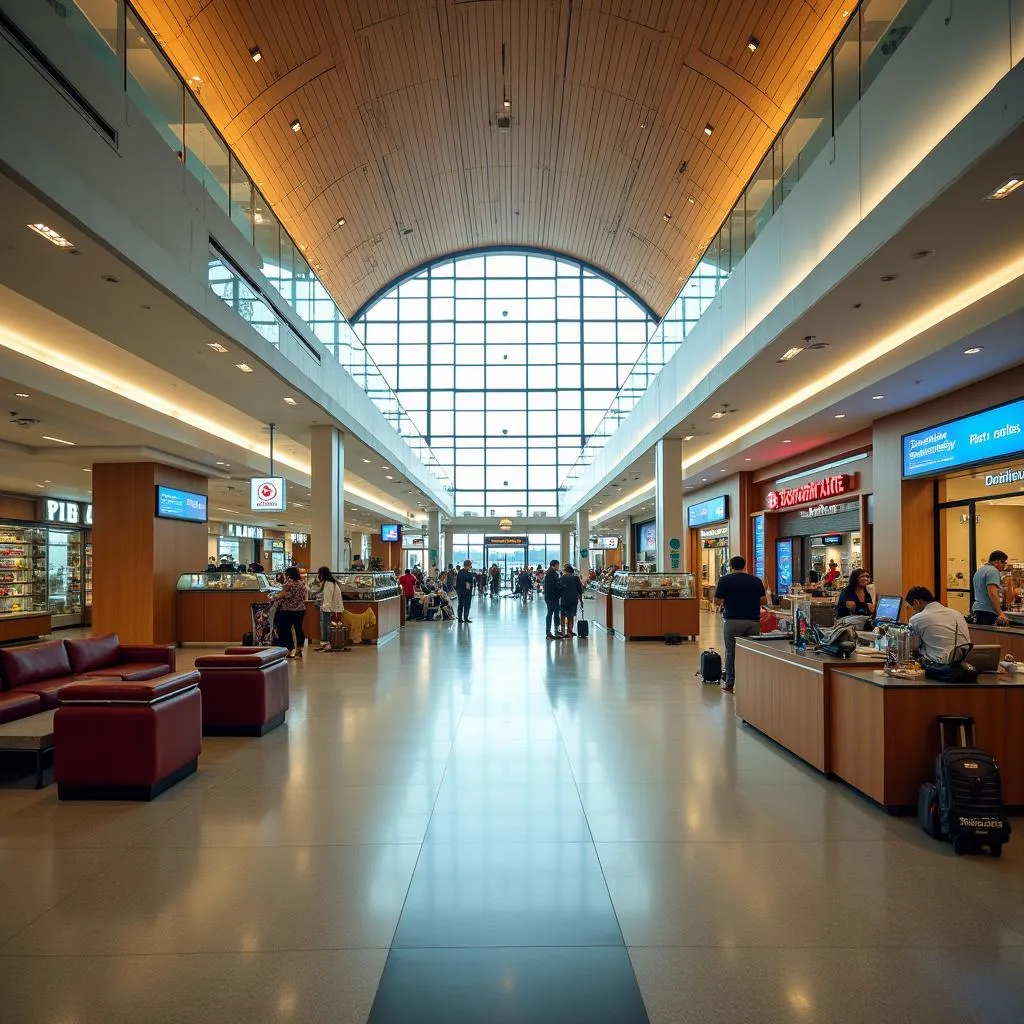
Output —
<point x="216" y="607"/>
<point x="1010" y="638"/>
<point x="24" y="626"/>
<point x="646" y="606"/>
<point x="876" y="733"/>
<point x="601" y="607"/>
<point x="379" y="591"/>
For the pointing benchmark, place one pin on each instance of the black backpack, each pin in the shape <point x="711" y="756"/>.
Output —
<point x="710" y="670"/>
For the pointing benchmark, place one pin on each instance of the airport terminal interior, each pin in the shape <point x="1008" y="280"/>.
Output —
<point x="512" y="512"/>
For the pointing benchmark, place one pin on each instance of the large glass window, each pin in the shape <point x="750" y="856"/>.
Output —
<point x="506" y="362"/>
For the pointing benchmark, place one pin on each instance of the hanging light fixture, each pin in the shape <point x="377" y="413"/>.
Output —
<point x="505" y="525"/>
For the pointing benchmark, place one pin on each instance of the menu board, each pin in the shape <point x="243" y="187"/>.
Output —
<point x="714" y="510"/>
<point x="174" y="504"/>
<point x="980" y="437"/>
<point x="784" y="565"/>
<point x="759" y="547"/>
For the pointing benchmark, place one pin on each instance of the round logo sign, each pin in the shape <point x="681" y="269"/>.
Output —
<point x="773" y="499"/>
<point x="674" y="543"/>
<point x="267" y="491"/>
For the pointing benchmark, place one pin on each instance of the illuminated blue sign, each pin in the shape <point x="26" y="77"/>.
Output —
<point x="174" y="504"/>
<point x="715" y="510"/>
<point x="981" y="437"/>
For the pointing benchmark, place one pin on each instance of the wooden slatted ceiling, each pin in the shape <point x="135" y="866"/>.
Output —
<point x="397" y="100"/>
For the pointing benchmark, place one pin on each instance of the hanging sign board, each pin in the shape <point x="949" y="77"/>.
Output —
<point x="504" y="540"/>
<point x="267" y="494"/>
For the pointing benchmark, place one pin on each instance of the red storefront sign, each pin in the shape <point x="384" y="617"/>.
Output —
<point x="816" y="490"/>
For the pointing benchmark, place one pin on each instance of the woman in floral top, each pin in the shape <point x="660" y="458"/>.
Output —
<point x="291" y="609"/>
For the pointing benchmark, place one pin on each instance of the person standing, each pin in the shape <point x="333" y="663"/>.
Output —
<point x="856" y="598"/>
<point x="552" y="585"/>
<point x="464" y="581"/>
<point x="740" y="596"/>
<point x="988" y="591"/>
<point x="291" y="610"/>
<point x="331" y="603"/>
<point x="570" y="595"/>
<point x="408" y="583"/>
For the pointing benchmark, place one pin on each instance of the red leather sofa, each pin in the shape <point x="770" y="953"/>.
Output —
<point x="45" y="669"/>
<point x="245" y="690"/>
<point x="124" y="739"/>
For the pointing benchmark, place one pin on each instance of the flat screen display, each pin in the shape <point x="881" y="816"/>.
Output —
<point x="647" y="534"/>
<point x="888" y="609"/>
<point x="714" y="510"/>
<point x="784" y="565"/>
<point x="606" y="543"/>
<point x="759" y="546"/>
<point x="981" y="437"/>
<point x="174" y="504"/>
<point x="390" y="533"/>
<point x="832" y="539"/>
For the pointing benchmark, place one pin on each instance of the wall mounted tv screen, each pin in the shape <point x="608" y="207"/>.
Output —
<point x="390" y="533"/>
<point x="174" y="504"/>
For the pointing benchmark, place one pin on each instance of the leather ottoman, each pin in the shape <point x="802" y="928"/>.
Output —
<point x="245" y="690"/>
<point x="128" y="740"/>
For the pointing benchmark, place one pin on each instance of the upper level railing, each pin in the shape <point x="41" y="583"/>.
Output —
<point x="114" y="33"/>
<point x="872" y="35"/>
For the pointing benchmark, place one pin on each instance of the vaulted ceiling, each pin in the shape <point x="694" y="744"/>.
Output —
<point x="399" y="103"/>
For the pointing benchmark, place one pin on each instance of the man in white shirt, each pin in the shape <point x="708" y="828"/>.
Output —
<point x="940" y="633"/>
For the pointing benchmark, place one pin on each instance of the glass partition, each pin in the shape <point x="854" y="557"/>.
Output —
<point x="97" y="24"/>
<point x="152" y="84"/>
<point x="241" y="200"/>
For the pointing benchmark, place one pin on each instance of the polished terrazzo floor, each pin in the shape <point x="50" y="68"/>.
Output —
<point x="472" y="824"/>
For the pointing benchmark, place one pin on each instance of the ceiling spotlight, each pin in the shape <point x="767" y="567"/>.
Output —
<point x="708" y="130"/>
<point x="21" y="394"/>
<point x="506" y="103"/>
<point x="666" y="217"/>
<point x="244" y="367"/>
<point x="296" y="126"/>
<point x="748" y="459"/>
<point x="717" y="415"/>
<point x="840" y="415"/>
<point x="690" y="200"/>
<point x="787" y="441"/>
<point x="221" y="463"/>
<point x="254" y="52"/>
<point x="216" y="346"/>
<point x="289" y="401"/>
<point x="753" y="43"/>
<point x="51" y="236"/>
<point x="1008" y="186"/>
<point x="688" y="437"/>
<point x="790" y="353"/>
<point x="341" y="222"/>
<point x="877" y="398"/>
<point x="367" y="461"/>
<point x="974" y="350"/>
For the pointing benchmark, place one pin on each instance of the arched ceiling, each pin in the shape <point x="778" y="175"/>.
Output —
<point x="399" y="100"/>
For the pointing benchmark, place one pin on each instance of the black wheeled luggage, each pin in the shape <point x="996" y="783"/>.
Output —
<point x="970" y="790"/>
<point x="582" y="626"/>
<point x="710" y="670"/>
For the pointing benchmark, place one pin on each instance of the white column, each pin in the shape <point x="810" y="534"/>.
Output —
<point x="627" y="544"/>
<point x="583" y="542"/>
<point x="433" y="541"/>
<point x="327" y="497"/>
<point x="565" y="553"/>
<point x="668" y="503"/>
<point x="449" y="545"/>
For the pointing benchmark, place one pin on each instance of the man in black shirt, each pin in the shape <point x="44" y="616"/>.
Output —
<point x="552" y="597"/>
<point x="464" y="583"/>
<point x="741" y="597"/>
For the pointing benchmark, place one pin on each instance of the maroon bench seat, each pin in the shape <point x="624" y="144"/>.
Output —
<point x="126" y="739"/>
<point x="19" y="705"/>
<point x="245" y="690"/>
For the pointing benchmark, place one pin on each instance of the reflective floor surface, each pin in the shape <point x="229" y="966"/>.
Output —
<point x="473" y="824"/>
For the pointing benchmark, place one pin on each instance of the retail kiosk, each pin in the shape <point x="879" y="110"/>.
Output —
<point x="646" y="606"/>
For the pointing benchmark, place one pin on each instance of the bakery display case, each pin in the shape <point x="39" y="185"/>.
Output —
<point x="64" y="577"/>
<point x="216" y="607"/>
<point x="23" y="596"/>
<point x="647" y="606"/>
<point x="379" y="591"/>
<point x="601" y="615"/>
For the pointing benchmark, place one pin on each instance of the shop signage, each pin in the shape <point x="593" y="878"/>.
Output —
<point x="816" y="490"/>
<point x="714" y="510"/>
<point x="267" y="494"/>
<point x="300" y="538"/>
<point x="1006" y="476"/>
<point x="243" y="531"/>
<point x="981" y="437"/>
<point x="759" y="546"/>
<point x="714" y="532"/>
<point x="832" y="539"/>
<point x="504" y="540"/>
<point x="648" y="537"/>
<point x="74" y="513"/>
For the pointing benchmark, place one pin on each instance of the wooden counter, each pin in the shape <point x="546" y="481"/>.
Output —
<point x="601" y="611"/>
<point x="24" y="626"/>
<point x="785" y="695"/>
<point x="388" y="612"/>
<point x="650" y="618"/>
<point x="1010" y="638"/>
<point x="216" y="616"/>
<point x="884" y="735"/>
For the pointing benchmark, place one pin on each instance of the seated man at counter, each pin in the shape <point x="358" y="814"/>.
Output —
<point x="740" y="596"/>
<point x="941" y="634"/>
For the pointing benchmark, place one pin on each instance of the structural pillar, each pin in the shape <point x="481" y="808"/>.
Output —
<point x="433" y="540"/>
<point x="355" y="540"/>
<point x="668" y="503"/>
<point x="565" y="553"/>
<point x="628" y="544"/>
<point x="138" y="555"/>
<point x="327" y="497"/>
<point x="583" y="542"/>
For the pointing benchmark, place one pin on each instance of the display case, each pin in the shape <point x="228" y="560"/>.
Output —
<point x="379" y="591"/>
<point x="87" y="574"/>
<point x="601" y="591"/>
<point x="64" y="581"/>
<point x="647" y="606"/>
<point x="23" y="604"/>
<point x="216" y="607"/>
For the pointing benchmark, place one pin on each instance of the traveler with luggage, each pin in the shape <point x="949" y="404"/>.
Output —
<point x="740" y="596"/>
<point x="987" y="586"/>
<point x="570" y="595"/>
<point x="552" y="586"/>
<point x="331" y="604"/>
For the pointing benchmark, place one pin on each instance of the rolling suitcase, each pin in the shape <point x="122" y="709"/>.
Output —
<point x="970" y="791"/>
<point x="341" y="637"/>
<point x="710" y="670"/>
<point x="582" y="626"/>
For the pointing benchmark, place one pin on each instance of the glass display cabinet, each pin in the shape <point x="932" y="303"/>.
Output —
<point x="649" y="606"/>
<point x="362" y="591"/>
<point x="23" y="596"/>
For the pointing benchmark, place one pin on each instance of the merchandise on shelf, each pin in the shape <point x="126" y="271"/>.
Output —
<point x="649" y="585"/>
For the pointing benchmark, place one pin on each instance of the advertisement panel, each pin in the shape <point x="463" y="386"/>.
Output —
<point x="174" y="504"/>
<point x="759" y="546"/>
<point x="267" y="494"/>
<point x="606" y="543"/>
<point x="967" y="441"/>
<point x="714" y="510"/>
<point x="648" y="536"/>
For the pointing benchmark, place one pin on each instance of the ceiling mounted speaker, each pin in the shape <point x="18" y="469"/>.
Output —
<point x="503" y="122"/>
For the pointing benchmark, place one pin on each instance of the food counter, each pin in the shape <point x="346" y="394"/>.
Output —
<point x="379" y="591"/>
<point x="216" y="607"/>
<point x="1010" y="638"/>
<point x="646" y="606"/>
<point x="601" y="610"/>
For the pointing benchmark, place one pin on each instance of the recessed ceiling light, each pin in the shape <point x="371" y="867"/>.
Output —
<point x="974" y="350"/>
<point x="51" y="236"/>
<point x="922" y="254"/>
<point x="666" y="217"/>
<point x="341" y="222"/>
<point x="254" y="52"/>
<point x="1008" y="186"/>
<point x="721" y="471"/>
<point x="21" y="394"/>
<point x="886" y="278"/>
<point x="86" y="470"/>
<point x="717" y="415"/>
<point x="753" y="43"/>
<point x="385" y="467"/>
<point x="221" y="463"/>
<point x="506" y="103"/>
<point x="59" y="440"/>
<point x="296" y="126"/>
<point x="790" y="353"/>
<point x="216" y="346"/>
<point x="244" y="367"/>
<point x="748" y="459"/>
<point x="289" y="401"/>
<point x="690" y="200"/>
<point x="388" y="476"/>
<point x="367" y="461"/>
<point x="840" y="415"/>
<point x="877" y="398"/>
<point x="40" y="486"/>
<point x="688" y="437"/>
<point x="787" y="441"/>
<point x="708" y="129"/>
<point x="703" y="479"/>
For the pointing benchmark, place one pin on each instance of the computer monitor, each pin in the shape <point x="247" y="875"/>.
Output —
<point x="888" y="609"/>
